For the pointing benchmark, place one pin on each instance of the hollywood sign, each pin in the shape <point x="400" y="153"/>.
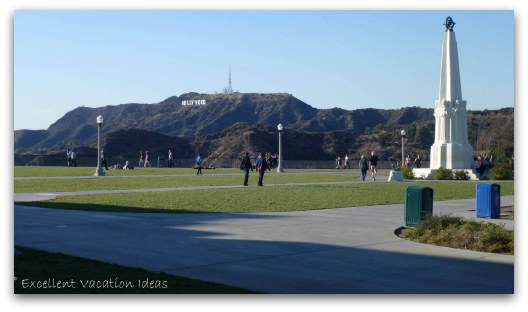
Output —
<point x="193" y="102"/>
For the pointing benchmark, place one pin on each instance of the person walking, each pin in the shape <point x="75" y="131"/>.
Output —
<point x="418" y="161"/>
<point x="408" y="161"/>
<point x="363" y="166"/>
<point x="373" y="164"/>
<point x="347" y="162"/>
<point x="338" y="162"/>
<point x="261" y="166"/>
<point x="170" y="161"/>
<point x="199" y="164"/>
<point x="147" y="159"/>
<point x="73" y="158"/>
<point x="141" y="159"/>
<point x="246" y="165"/>
<point x="103" y="159"/>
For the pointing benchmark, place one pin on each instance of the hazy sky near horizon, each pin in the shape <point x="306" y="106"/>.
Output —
<point x="347" y="59"/>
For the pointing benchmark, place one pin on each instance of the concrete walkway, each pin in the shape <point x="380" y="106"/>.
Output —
<point x="347" y="250"/>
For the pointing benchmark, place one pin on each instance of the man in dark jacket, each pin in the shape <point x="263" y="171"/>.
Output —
<point x="246" y="165"/>
<point x="261" y="166"/>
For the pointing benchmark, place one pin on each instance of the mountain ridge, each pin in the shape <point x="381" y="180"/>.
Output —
<point x="219" y="112"/>
<point x="223" y="124"/>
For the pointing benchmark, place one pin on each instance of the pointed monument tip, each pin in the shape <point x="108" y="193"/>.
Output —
<point x="449" y="24"/>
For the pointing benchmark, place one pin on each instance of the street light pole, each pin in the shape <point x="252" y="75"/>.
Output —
<point x="279" y="166"/>
<point x="99" y="171"/>
<point x="403" y="152"/>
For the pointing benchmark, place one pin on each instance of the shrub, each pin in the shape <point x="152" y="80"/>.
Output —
<point x="407" y="172"/>
<point x="461" y="175"/>
<point x="500" y="172"/>
<point x="451" y="231"/>
<point x="443" y="174"/>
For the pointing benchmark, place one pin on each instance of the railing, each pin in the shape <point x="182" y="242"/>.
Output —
<point x="161" y="162"/>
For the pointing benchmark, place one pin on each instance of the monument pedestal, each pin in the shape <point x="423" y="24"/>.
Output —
<point x="451" y="155"/>
<point x="429" y="174"/>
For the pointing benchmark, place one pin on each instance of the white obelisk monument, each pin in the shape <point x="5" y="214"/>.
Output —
<point x="451" y="148"/>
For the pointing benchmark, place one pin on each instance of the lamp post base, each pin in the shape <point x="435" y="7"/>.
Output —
<point x="99" y="172"/>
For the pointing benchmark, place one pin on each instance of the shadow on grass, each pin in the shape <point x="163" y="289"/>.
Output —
<point x="101" y="208"/>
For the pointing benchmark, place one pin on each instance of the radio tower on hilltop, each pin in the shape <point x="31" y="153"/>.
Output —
<point x="229" y="89"/>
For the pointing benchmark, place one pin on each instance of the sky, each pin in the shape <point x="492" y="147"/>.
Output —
<point x="349" y="59"/>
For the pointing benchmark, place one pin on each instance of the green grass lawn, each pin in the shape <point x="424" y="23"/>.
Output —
<point x="84" y="276"/>
<point x="250" y="199"/>
<point x="161" y="181"/>
<point x="57" y="171"/>
<point x="266" y="199"/>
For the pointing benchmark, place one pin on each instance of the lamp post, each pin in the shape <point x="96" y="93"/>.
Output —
<point x="403" y="152"/>
<point x="99" y="171"/>
<point x="279" y="166"/>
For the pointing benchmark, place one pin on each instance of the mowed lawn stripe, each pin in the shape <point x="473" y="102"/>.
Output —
<point x="265" y="199"/>
<point x="72" y="185"/>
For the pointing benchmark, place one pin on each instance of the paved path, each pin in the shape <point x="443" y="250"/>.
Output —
<point x="29" y="197"/>
<point x="347" y="250"/>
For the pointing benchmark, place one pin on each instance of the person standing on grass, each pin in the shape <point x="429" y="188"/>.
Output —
<point x="373" y="164"/>
<point x="261" y="166"/>
<point x="363" y="166"/>
<point x="68" y="155"/>
<point x="246" y="165"/>
<point x="199" y="164"/>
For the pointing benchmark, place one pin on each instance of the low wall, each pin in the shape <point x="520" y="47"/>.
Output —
<point x="59" y="160"/>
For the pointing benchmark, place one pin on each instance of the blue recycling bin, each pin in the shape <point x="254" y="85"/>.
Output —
<point x="418" y="204"/>
<point x="488" y="201"/>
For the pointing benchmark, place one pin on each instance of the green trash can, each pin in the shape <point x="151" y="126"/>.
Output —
<point x="418" y="204"/>
<point x="161" y="162"/>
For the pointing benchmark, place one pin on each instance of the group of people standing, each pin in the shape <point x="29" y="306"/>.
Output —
<point x="482" y="164"/>
<point x="260" y="165"/>
<point x="417" y="161"/>
<point x="365" y="164"/>
<point x="342" y="163"/>
<point x="72" y="157"/>
<point x="371" y="163"/>
<point x="144" y="159"/>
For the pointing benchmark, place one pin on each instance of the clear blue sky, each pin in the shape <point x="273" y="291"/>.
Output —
<point x="346" y="59"/>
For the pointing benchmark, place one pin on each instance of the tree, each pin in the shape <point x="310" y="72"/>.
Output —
<point x="384" y="138"/>
<point x="423" y="137"/>
<point x="411" y="131"/>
